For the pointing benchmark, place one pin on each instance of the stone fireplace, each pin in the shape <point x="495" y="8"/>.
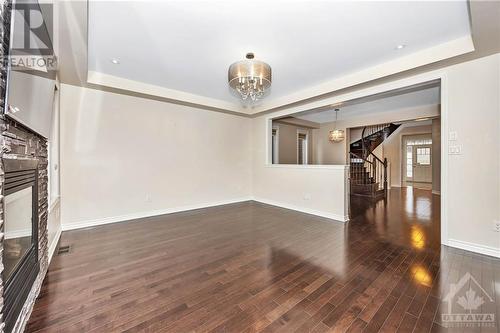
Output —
<point x="23" y="181"/>
<point x="20" y="234"/>
<point x="23" y="208"/>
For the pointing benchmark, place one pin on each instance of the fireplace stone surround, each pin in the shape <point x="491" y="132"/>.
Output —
<point x="17" y="141"/>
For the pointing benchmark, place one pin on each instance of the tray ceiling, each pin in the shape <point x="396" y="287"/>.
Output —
<point x="182" y="49"/>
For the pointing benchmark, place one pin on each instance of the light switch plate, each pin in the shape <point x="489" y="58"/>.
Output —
<point x="455" y="150"/>
<point x="453" y="136"/>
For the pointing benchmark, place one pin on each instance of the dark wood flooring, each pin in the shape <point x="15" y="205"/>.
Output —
<point x="252" y="267"/>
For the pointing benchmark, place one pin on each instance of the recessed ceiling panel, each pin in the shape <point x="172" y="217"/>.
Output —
<point x="189" y="45"/>
<point x="413" y="99"/>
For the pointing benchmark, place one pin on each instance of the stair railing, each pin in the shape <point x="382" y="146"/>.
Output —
<point x="366" y="133"/>
<point x="376" y="168"/>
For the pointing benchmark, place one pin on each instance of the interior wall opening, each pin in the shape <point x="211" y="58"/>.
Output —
<point x="391" y="142"/>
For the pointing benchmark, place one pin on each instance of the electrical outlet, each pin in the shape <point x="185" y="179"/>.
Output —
<point x="148" y="198"/>
<point x="453" y="136"/>
<point x="496" y="226"/>
<point x="307" y="196"/>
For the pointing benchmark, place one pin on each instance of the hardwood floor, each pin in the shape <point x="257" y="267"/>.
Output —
<point x="252" y="267"/>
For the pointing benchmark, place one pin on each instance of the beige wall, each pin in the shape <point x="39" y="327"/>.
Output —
<point x="288" y="143"/>
<point x="316" y="189"/>
<point x="125" y="157"/>
<point x="326" y="152"/>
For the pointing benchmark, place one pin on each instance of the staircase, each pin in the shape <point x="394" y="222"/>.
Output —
<point x="368" y="173"/>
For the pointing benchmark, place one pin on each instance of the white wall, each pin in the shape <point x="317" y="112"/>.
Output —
<point x="473" y="189"/>
<point x="125" y="157"/>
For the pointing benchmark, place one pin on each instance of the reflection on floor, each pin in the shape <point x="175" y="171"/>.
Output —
<point x="252" y="267"/>
<point x="421" y="186"/>
<point x="408" y="217"/>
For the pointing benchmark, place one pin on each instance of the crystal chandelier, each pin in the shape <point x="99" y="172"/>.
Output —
<point x="250" y="79"/>
<point x="337" y="135"/>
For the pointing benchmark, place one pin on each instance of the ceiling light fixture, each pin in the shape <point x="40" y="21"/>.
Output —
<point x="337" y="135"/>
<point x="115" y="61"/>
<point x="400" y="47"/>
<point x="250" y="79"/>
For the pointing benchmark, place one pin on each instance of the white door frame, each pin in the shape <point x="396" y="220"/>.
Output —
<point x="306" y="150"/>
<point x="402" y="156"/>
<point x="276" y="151"/>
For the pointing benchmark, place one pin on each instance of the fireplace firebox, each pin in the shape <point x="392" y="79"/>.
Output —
<point x="20" y="253"/>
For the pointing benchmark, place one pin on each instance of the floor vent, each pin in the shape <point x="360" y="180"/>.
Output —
<point x="63" y="249"/>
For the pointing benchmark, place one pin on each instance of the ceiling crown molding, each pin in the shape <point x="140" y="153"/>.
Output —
<point x="447" y="50"/>
<point x="101" y="79"/>
<point x="427" y="56"/>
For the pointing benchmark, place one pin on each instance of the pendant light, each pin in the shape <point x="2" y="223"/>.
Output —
<point x="337" y="135"/>
<point x="250" y="79"/>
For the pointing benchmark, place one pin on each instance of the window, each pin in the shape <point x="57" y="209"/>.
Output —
<point x="301" y="147"/>
<point x="275" y="145"/>
<point x="418" y="142"/>
<point x="409" y="161"/>
<point x="424" y="156"/>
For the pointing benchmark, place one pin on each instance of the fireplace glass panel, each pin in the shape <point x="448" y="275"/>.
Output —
<point x="17" y="229"/>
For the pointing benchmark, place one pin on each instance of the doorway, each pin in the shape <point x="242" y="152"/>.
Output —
<point x="417" y="161"/>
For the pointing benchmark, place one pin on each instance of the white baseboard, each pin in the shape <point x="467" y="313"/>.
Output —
<point x="134" y="216"/>
<point x="53" y="245"/>
<point x="436" y="192"/>
<point x="481" y="249"/>
<point x="336" y="217"/>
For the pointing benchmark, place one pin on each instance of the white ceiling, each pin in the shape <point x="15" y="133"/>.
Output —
<point x="188" y="46"/>
<point x="429" y="96"/>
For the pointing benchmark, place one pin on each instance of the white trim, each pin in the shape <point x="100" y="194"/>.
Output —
<point x="481" y="249"/>
<point x="134" y="216"/>
<point x="446" y="50"/>
<point x="276" y="151"/>
<point x="53" y="245"/>
<point x="306" y="152"/>
<point x="450" y="49"/>
<point x="331" y="216"/>
<point x="54" y="202"/>
<point x="444" y="159"/>
<point x="116" y="82"/>
<point x="139" y="215"/>
<point x="308" y="166"/>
